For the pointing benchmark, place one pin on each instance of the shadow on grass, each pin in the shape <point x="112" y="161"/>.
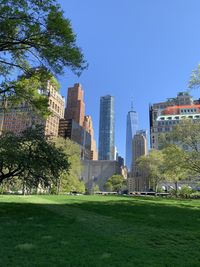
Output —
<point x="95" y="233"/>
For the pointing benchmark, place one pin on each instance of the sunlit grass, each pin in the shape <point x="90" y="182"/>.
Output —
<point x="99" y="231"/>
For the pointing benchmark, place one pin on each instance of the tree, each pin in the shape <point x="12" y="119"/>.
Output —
<point x="95" y="188"/>
<point x="152" y="166"/>
<point x="115" y="183"/>
<point x="31" y="158"/>
<point x="194" y="82"/>
<point x="175" y="168"/>
<point x="70" y="180"/>
<point x="36" y="41"/>
<point x="108" y="186"/>
<point x="187" y="136"/>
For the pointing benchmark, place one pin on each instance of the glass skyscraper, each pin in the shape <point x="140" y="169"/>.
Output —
<point x="131" y="128"/>
<point x="107" y="128"/>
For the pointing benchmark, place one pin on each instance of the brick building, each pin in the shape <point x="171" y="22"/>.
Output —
<point x="75" y="108"/>
<point x="18" y="118"/>
<point x="76" y="125"/>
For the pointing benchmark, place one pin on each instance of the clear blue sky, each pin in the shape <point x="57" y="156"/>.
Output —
<point x="135" y="48"/>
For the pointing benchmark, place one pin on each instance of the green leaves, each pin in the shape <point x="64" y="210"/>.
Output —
<point x="31" y="157"/>
<point x="175" y="168"/>
<point x="34" y="34"/>
<point x="152" y="166"/>
<point x="70" y="180"/>
<point x="195" y="79"/>
<point x="114" y="183"/>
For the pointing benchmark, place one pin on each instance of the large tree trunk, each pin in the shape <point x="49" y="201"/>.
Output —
<point x="176" y="188"/>
<point x="24" y="188"/>
<point x="58" y="186"/>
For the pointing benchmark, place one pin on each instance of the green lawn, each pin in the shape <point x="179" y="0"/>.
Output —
<point x="98" y="231"/>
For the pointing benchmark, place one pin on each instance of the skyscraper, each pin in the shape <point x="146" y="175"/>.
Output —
<point x="139" y="146"/>
<point x="89" y="128"/>
<point x="107" y="128"/>
<point x="76" y="125"/>
<point x="138" y="180"/>
<point x="131" y="128"/>
<point x="75" y="109"/>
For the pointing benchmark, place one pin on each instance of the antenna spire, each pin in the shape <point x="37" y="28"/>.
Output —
<point x="132" y="104"/>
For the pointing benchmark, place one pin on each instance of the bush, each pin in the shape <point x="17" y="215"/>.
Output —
<point x="185" y="191"/>
<point x="160" y="190"/>
<point x="195" y="195"/>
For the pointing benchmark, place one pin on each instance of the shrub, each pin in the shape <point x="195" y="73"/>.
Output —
<point x="195" y="195"/>
<point x="185" y="191"/>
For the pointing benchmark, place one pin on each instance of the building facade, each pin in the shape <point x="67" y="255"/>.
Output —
<point x="17" y="118"/>
<point x="76" y="126"/>
<point x="98" y="171"/>
<point x="89" y="128"/>
<point x="72" y="130"/>
<point x="56" y="106"/>
<point x="131" y="128"/>
<point x="107" y="128"/>
<point x="165" y="115"/>
<point x="138" y="181"/>
<point x="75" y="109"/>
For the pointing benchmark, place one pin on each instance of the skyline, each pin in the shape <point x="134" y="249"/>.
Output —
<point x="139" y="49"/>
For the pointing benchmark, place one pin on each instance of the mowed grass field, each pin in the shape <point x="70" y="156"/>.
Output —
<point x="99" y="231"/>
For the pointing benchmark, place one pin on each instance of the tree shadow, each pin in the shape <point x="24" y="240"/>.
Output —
<point x="99" y="233"/>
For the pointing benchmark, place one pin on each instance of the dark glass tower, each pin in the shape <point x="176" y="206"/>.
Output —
<point x="131" y="128"/>
<point x="107" y="128"/>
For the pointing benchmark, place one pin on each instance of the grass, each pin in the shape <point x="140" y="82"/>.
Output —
<point x="99" y="231"/>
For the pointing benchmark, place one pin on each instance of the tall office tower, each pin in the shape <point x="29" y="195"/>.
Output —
<point x="76" y="126"/>
<point x="165" y="115"/>
<point x="131" y="128"/>
<point x="138" y="180"/>
<point x="89" y="128"/>
<point x="75" y="109"/>
<point x="139" y="146"/>
<point x="17" y="118"/>
<point x="72" y="130"/>
<point x="107" y="128"/>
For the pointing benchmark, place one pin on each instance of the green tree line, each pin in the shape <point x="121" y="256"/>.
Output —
<point x="37" y="43"/>
<point x="179" y="158"/>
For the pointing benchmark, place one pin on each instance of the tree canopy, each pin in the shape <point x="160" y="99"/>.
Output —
<point x="29" y="156"/>
<point x="70" y="179"/>
<point x="36" y="41"/>
<point x="186" y="135"/>
<point x="175" y="167"/>
<point x="115" y="183"/>
<point x="152" y="166"/>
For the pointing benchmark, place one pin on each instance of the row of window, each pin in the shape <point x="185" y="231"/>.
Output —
<point x="188" y="110"/>
<point x="167" y="122"/>
<point x="165" y="129"/>
<point x="161" y="129"/>
<point x="179" y="117"/>
<point x="56" y="107"/>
